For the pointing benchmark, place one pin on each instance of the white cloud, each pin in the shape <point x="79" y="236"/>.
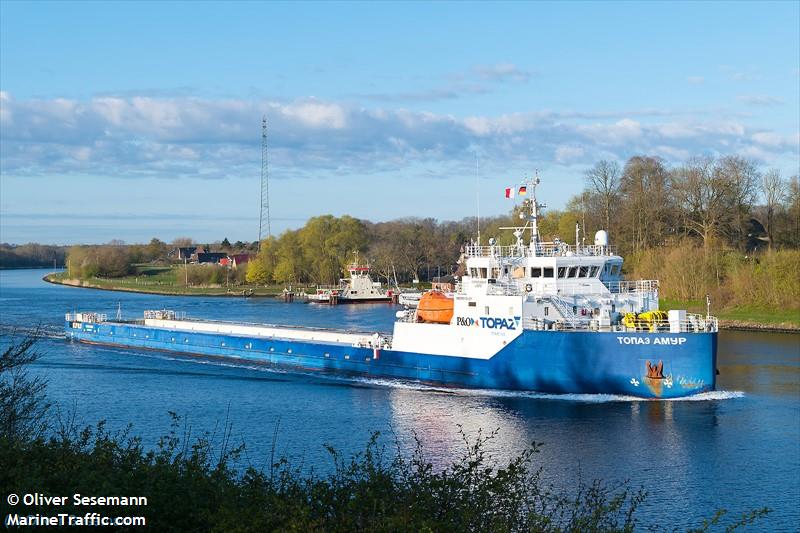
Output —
<point x="566" y="154"/>
<point x="737" y="74"/>
<point x="6" y="118"/>
<point x="316" y="114"/>
<point x="187" y="136"/>
<point x="696" y="80"/>
<point x="760" y="99"/>
<point x="619" y="133"/>
<point x="503" y="72"/>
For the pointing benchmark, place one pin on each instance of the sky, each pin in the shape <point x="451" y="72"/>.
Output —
<point x="134" y="120"/>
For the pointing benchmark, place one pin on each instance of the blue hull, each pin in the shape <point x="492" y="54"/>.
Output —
<point x="541" y="361"/>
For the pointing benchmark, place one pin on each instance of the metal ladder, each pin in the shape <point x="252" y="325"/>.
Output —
<point x="566" y="311"/>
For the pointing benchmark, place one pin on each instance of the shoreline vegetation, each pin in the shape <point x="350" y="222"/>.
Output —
<point x="209" y="482"/>
<point x="709" y="227"/>
<point x="745" y="319"/>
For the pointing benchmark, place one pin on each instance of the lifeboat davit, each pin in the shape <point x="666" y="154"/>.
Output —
<point x="435" y="307"/>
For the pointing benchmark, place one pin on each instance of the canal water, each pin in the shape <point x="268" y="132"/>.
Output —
<point x="737" y="448"/>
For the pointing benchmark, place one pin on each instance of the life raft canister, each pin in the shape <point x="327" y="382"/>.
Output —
<point x="435" y="307"/>
<point x="528" y="287"/>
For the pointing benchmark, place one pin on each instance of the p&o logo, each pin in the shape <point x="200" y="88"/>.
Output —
<point x="489" y="322"/>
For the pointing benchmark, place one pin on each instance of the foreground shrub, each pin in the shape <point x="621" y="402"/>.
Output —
<point x="192" y="487"/>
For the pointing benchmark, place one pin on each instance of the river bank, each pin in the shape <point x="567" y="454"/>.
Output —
<point x="731" y="319"/>
<point x="149" y="287"/>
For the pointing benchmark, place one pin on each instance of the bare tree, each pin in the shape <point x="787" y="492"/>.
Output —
<point x="647" y="201"/>
<point x="792" y="208"/>
<point x="740" y="177"/>
<point x="715" y="197"/>
<point x="23" y="405"/>
<point x="182" y="242"/>
<point x="603" y="179"/>
<point x="774" y="190"/>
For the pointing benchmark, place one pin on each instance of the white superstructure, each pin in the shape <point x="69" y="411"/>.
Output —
<point x="538" y="285"/>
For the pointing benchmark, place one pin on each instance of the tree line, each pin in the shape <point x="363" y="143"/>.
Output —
<point x="31" y="255"/>
<point x="714" y="201"/>
<point x="113" y="260"/>
<point x="644" y="205"/>
<point x="723" y="214"/>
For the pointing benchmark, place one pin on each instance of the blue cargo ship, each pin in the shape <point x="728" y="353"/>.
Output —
<point x="532" y="316"/>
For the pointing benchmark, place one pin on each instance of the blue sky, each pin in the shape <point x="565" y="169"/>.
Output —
<point x="135" y="120"/>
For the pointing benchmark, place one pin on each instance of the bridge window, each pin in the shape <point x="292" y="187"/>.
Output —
<point x="548" y="272"/>
<point x="546" y="310"/>
<point x="584" y="272"/>
<point x="562" y="272"/>
<point x="473" y="272"/>
<point x="482" y="273"/>
<point x="593" y="273"/>
<point x="536" y="272"/>
<point x="573" y="272"/>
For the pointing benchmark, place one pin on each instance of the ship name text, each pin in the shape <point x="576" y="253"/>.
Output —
<point x="673" y="341"/>
<point x="489" y="322"/>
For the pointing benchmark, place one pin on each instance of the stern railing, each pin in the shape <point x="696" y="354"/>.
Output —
<point x="546" y="249"/>
<point x="694" y="323"/>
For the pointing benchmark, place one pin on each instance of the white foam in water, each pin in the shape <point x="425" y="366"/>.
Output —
<point x="570" y="397"/>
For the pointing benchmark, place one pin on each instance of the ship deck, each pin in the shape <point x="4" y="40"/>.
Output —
<point x="302" y="333"/>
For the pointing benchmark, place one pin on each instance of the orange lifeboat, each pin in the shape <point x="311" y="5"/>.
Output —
<point x="435" y="307"/>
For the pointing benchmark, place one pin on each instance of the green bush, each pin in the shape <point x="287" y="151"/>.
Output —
<point x="687" y="271"/>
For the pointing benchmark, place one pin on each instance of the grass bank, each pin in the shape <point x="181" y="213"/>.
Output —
<point x="163" y="280"/>
<point x="742" y="317"/>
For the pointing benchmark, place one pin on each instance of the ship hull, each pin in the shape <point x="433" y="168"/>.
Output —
<point x="557" y="362"/>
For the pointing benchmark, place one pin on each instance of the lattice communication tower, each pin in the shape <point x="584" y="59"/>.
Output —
<point x="263" y="217"/>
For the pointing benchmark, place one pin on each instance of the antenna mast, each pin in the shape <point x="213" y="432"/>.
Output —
<point x="263" y="217"/>
<point x="478" y="198"/>
<point x="534" y="213"/>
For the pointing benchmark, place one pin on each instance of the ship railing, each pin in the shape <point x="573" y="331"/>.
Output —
<point x="86" y="317"/>
<point x="694" y="323"/>
<point x="164" y="314"/>
<point x="407" y="315"/>
<point x="597" y="288"/>
<point x="636" y="286"/>
<point x="376" y="341"/>
<point x="502" y="288"/>
<point x="495" y="288"/>
<point x="545" y="249"/>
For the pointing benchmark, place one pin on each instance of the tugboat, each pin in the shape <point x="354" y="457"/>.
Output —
<point x="532" y="316"/>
